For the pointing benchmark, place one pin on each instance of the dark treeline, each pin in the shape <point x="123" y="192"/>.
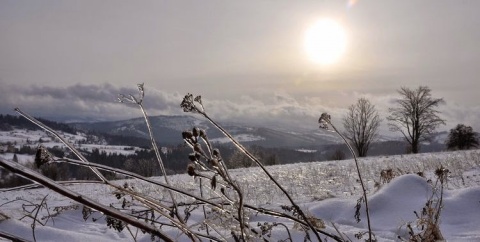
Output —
<point x="8" y="122"/>
<point x="112" y="139"/>
<point x="143" y="161"/>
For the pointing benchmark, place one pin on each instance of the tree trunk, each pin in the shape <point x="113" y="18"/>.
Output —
<point x="415" y="147"/>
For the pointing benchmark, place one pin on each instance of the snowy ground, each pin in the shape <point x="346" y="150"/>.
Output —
<point x="326" y="190"/>
<point x="31" y="138"/>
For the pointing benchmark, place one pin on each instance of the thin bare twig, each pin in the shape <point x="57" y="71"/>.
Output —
<point x="29" y="174"/>
<point x="139" y="101"/>
<point x="324" y="121"/>
<point x="54" y="133"/>
<point x="189" y="104"/>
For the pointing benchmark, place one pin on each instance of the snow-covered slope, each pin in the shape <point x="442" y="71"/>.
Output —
<point x="167" y="129"/>
<point x="17" y="138"/>
<point x="327" y="190"/>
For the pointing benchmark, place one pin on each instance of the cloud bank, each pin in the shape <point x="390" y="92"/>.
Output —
<point x="82" y="102"/>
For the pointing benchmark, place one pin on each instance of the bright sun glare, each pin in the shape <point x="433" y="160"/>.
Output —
<point x="325" y="41"/>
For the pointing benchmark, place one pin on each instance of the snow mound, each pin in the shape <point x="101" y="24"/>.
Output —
<point x="407" y="191"/>
<point x="393" y="206"/>
<point x="394" y="203"/>
<point x="390" y="207"/>
<point x="461" y="214"/>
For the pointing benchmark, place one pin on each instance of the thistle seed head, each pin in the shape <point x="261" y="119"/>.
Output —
<point x="442" y="174"/>
<point x="441" y="171"/>
<point x="42" y="156"/>
<point x="188" y="104"/>
<point x="324" y="120"/>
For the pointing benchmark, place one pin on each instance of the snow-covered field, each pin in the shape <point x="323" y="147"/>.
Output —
<point x="326" y="190"/>
<point x="239" y="138"/>
<point x="31" y="138"/>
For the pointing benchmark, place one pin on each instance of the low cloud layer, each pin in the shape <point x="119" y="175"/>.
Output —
<point x="99" y="103"/>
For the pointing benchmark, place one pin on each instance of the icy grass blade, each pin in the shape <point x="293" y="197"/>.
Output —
<point x="195" y="105"/>
<point x="325" y="121"/>
<point x="54" y="133"/>
<point x="139" y="101"/>
<point x="31" y="175"/>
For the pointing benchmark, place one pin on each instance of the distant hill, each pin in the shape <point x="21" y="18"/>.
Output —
<point x="8" y="122"/>
<point x="167" y="130"/>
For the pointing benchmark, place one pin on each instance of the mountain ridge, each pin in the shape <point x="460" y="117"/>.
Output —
<point x="167" y="129"/>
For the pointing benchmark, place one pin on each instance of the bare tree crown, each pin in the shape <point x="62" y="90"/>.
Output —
<point x="361" y="124"/>
<point x="415" y="115"/>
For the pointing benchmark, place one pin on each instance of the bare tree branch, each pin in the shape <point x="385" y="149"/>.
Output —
<point x="361" y="124"/>
<point x="415" y="115"/>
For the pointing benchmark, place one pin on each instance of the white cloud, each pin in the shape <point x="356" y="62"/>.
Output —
<point x="278" y="108"/>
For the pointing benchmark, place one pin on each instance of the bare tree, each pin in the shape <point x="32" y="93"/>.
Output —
<point x="415" y="115"/>
<point x="361" y="124"/>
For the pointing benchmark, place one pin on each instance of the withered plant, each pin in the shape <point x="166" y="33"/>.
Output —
<point x="195" y="105"/>
<point x="226" y="214"/>
<point x="325" y="122"/>
<point x="426" y="228"/>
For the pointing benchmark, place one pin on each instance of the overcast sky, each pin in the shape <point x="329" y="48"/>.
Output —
<point x="70" y="59"/>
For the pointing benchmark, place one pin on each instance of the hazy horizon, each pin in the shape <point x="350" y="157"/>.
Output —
<point x="67" y="59"/>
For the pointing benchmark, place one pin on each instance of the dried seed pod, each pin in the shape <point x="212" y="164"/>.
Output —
<point x="187" y="104"/>
<point x="187" y="135"/>
<point x="213" y="182"/>
<point x="198" y="148"/>
<point x="324" y="120"/>
<point x="192" y="157"/>
<point x="203" y="133"/>
<point x="213" y="162"/>
<point x="191" y="170"/>
<point x="42" y="156"/>
<point x="195" y="131"/>
<point x="198" y="99"/>
<point x="216" y="152"/>
<point x="325" y="117"/>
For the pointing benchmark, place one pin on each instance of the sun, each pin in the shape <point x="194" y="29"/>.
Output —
<point x="325" y="41"/>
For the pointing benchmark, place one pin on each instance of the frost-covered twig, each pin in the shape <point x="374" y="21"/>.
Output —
<point x="29" y="174"/>
<point x="34" y="186"/>
<point x="37" y="209"/>
<point x="54" y="133"/>
<point x="325" y="121"/>
<point x="134" y="175"/>
<point x="213" y="157"/>
<point x="139" y="101"/>
<point x="43" y="156"/>
<point x="11" y="237"/>
<point x="195" y="105"/>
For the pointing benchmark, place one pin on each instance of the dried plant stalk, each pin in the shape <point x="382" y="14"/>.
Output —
<point x="325" y="121"/>
<point x="195" y="105"/>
